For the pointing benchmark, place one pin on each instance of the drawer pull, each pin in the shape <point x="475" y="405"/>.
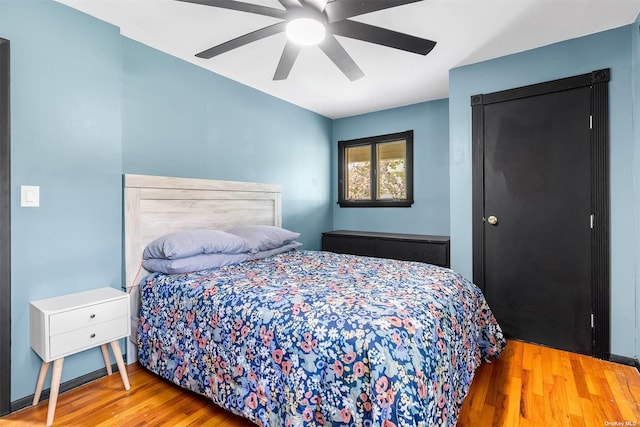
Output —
<point x="93" y="316"/>
<point x="93" y="335"/>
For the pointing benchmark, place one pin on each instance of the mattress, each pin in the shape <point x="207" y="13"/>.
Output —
<point x="309" y="338"/>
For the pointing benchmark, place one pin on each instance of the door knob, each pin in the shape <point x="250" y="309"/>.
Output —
<point x="493" y="220"/>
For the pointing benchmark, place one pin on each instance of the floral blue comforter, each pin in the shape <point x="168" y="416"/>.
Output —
<point x="314" y="338"/>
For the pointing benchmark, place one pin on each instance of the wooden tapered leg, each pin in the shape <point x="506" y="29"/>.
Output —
<point x="121" y="367"/>
<point x="105" y="356"/>
<point x="43" y="374"/>
<point x="55" y="388"/>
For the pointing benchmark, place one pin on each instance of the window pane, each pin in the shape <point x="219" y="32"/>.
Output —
<point x="376" y="171"/>
<point x="358" y="182"/>
<point x="392" y="162"/>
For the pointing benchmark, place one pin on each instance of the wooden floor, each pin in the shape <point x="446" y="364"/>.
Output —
<point x="528" y="386"/>
<point x="532" y="386"/>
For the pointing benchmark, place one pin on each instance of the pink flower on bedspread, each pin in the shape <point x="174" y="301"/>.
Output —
<point x="190" y="318"/>
<point x="395" y="321"/>
<point x="277" y="356"/>
<point x="349" y="357"/>
<point x="252" y="401"/>
<point x="307" y="414"/>
<point x="382" y="384"/>
<point x="209" y="292"/>
<point x="309" y="343"/>
<point x="286" y="367"/>
<point x="359" y="369"/>
<point x="338" y="368"/>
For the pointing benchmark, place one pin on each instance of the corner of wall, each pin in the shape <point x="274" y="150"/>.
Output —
<point x="635" y="110"/>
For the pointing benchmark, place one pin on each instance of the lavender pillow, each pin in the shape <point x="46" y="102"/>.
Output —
<point x="276" y="251"/>
<point x="193" y="263"/>
<point x="187" y="243"/>
<point x="264" y="237"/>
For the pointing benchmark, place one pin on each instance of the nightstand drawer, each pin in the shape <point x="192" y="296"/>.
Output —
<point x="88" y="337"/>
<point x="92" y="315"/>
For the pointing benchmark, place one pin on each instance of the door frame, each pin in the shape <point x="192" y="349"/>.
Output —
<point x="598" y="81"/>
<point x="5" y="230"/>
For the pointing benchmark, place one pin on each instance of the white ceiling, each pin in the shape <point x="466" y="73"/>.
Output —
<point x="467" y="31"/>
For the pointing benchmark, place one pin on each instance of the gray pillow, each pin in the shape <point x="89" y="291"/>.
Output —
<point x="276" y="251"/>
<point x="264" y="237"/>
<point x="187" y="243"/>
<point x="193" y="263"/>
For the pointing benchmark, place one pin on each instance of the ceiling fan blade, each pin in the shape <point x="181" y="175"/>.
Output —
<point x="334" y="50"/>
<point x="382" y="36"/>
<point x="337" y="10"/>
<point x="318" y="5"/>
<point x="290" y="4"/>
<point x="289" y="55"/>
<point x="242" y="6"/>
<point x="243" y="40"/>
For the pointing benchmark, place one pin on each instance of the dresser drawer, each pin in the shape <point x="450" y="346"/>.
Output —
<point x="88" y="337"/>
<point x="349" y="245"/>
<point x="72" y="320"/>
<point x="407" y="247"/>
<point x="432" y="253"/>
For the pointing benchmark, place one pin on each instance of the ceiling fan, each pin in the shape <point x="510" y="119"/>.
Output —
<point x="317" y="22"/>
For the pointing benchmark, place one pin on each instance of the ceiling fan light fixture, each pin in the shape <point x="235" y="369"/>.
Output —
<point x="306" y="31"/>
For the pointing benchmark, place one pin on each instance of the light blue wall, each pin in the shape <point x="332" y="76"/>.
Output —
<point x="89" y="105"/>
<point x="181" y="120"/>
<point x="635" y="85"/>
<point x="610" y="49"/>
<point x="66" y="115"/>
<point x="430" y="212"/>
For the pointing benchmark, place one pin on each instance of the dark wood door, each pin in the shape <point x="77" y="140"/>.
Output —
<point x="538" y="185"/>
<point x="537" y="209"/>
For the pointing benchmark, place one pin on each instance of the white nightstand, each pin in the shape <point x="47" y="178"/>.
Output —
<point x="68" y="324"/>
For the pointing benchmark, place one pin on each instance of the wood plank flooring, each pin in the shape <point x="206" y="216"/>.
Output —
<point x="529" y="386"/>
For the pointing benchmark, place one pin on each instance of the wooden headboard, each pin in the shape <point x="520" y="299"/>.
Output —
<point x="157" y="205"/>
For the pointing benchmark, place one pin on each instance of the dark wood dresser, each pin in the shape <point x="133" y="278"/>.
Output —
<point x="407" y="247"/>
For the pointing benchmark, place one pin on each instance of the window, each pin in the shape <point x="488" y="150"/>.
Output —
<point x="376" y="171"/>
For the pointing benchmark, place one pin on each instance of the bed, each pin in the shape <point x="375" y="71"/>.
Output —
<point x="303" y="338"/>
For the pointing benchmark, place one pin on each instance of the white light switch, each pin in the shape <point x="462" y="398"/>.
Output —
<point x="29" y="196"/>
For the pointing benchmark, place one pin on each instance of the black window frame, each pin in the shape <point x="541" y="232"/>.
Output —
<point x="373" y="141"/>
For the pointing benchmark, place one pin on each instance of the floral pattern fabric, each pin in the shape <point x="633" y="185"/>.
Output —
<point x="310" y="338"/>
